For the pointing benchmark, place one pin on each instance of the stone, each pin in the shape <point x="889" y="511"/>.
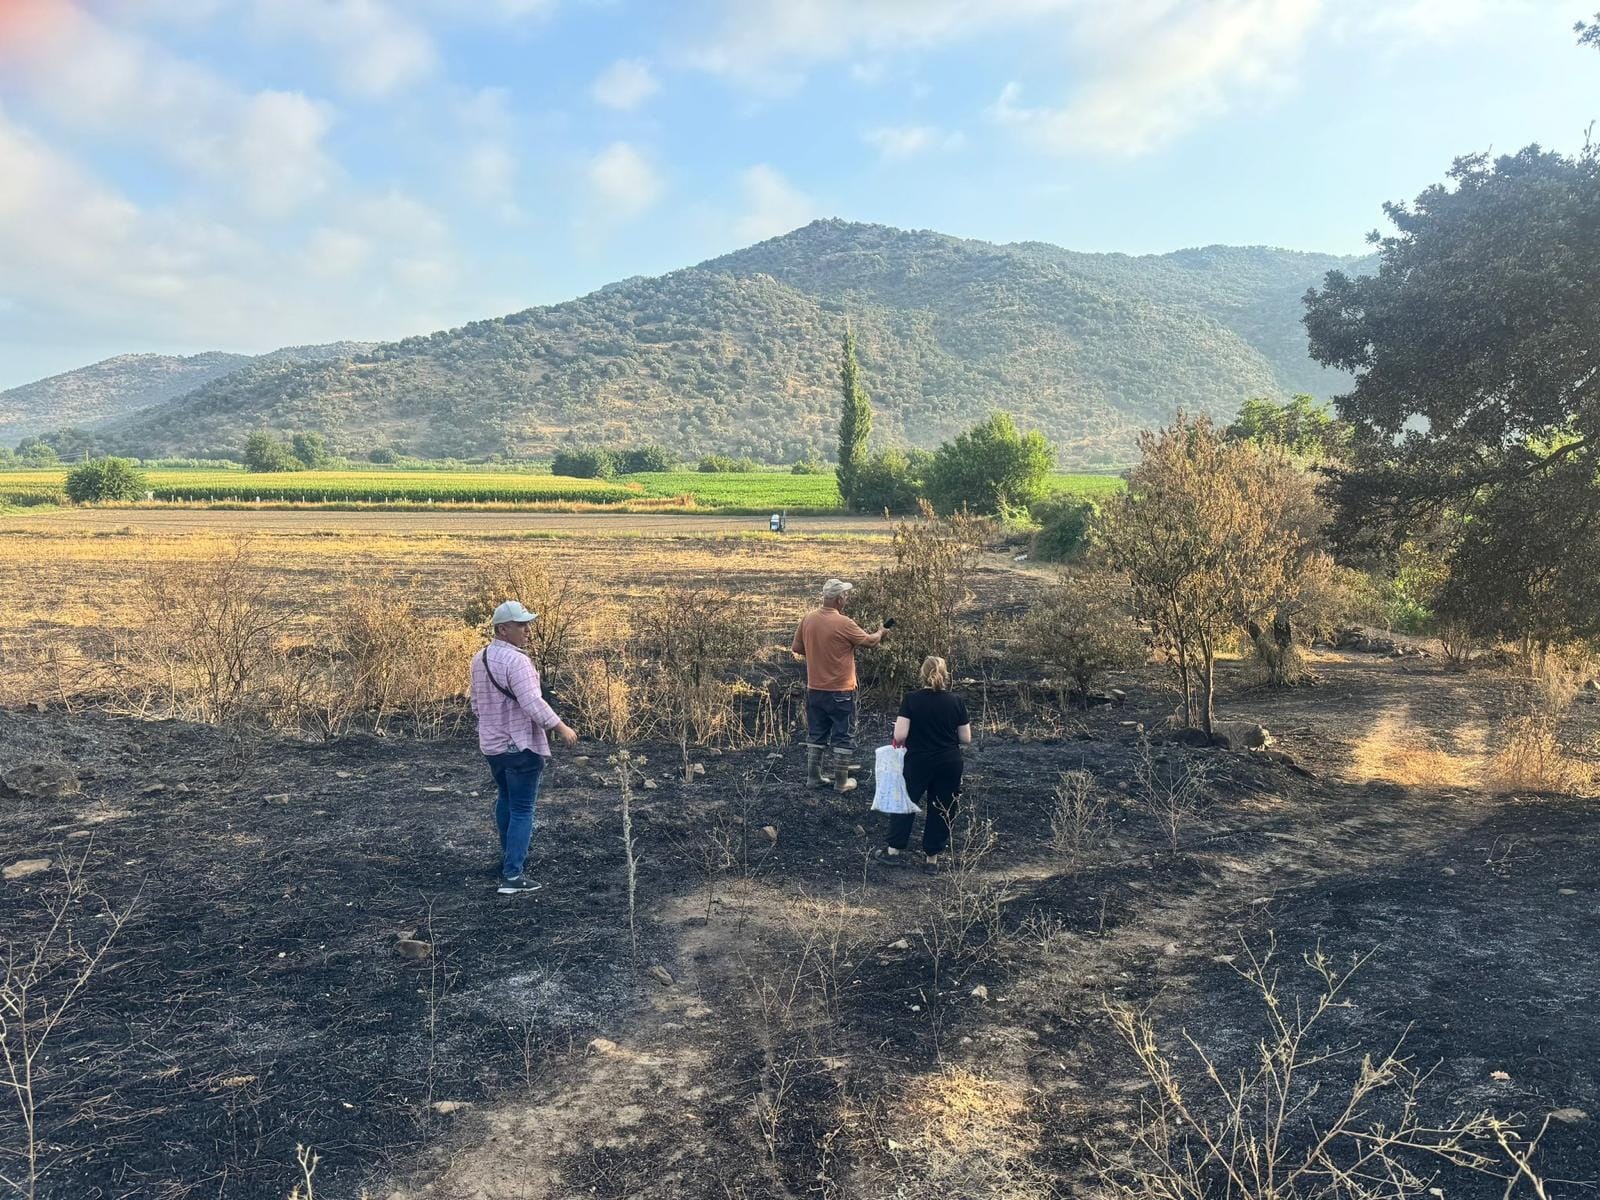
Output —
<point x="775" y="756"/>
<point x="771" y="832"/>
<point x="1240" y="735"/>
<point x="697" y="770"/>
<point x="1566" y="891"/>
<point x="150" y="789"/>
<point x="1592" y="686"/>
<point x="650" y="785"/>
<point x="1569" y="1116"/>
<point x="581" y="760"/>
<point x="1447" y="871"/>
<point x="25" y="867"/>
<point x="860" y="831"/>
<point x="602" y="1045"/>
<point x="1118" y="696"/>
<point x="446" y="1107"/>
<point x="980" y="992"/>
<point x="413" y="948"/>
<point x="41" y="780"/>
<point x="660" y="974"/>
<point x="899" y="944"/>
<point x="278" y="798"/>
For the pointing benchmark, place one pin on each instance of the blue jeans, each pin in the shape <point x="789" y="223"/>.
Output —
<point x="516" y="779"/>
<point x="830" y="720"/>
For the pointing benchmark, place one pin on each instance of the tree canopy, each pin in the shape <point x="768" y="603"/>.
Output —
<point x="990" y="468"/>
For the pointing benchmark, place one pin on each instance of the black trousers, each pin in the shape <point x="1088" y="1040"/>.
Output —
<point x="936" y="786"/>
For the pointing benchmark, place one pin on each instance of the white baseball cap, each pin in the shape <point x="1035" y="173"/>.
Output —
<point x="512" y="613"/>
<point x="835" y="587"/>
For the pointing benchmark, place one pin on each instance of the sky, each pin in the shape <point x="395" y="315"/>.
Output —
<point x="188" y="175"/>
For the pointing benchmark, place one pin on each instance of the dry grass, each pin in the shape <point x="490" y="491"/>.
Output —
<point x="975" y="1136"/>
<point x="68" y="596"/>
<point x="1395" y="750"/>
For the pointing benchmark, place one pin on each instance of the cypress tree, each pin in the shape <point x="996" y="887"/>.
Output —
<point x="855" y="422"/>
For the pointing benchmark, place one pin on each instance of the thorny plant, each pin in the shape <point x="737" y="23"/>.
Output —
<point x="1301" y="1121"/>
<point x="1173" y="792"/>
<point x="44" y="978"/>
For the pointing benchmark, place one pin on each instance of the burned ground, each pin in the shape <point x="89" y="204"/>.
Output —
<point x="832" y="1029"/>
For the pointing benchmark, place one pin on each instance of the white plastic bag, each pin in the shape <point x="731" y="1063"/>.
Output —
<point x="888" y="770"/>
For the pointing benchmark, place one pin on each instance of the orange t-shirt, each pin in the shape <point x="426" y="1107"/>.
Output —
<point x="828" y="639"/>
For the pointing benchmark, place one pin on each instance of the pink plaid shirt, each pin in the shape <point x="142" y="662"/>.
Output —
<point x="503" y="724"/>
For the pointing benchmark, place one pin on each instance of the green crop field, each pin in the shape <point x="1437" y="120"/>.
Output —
<point x="751" y="490"/>
<point x="734" y="492"/>
<point x="1090" y="487"/>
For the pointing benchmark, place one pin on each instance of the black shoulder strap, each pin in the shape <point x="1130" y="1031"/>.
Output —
<point x="498" y="686"/>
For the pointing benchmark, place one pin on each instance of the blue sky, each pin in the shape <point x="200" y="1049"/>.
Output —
<point x="183" y="175"/>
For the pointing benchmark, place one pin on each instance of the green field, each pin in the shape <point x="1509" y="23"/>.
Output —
<point x="740" y="492"/>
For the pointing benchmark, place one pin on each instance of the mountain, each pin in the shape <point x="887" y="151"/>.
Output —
<point x="112" y="388"/>
<point x="739" y="354"/>
<point x="118" y="387"/>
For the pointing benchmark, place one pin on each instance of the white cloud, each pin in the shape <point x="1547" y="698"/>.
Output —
<point x="625" y="84"/>
<point x="908" y="141"/>
<point x="765" y="43"/>
<point x="372" y="47"/>
<point x="76" y="253"/>
<point x="622" y="183"/>
<point x="772" y="205"/>
<point x="266" y="147"/>
<point x="1161" y="68"/>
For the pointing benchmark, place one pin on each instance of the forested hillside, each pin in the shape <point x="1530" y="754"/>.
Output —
<point x="106" y="390"/>
<point x="117" y="387"/>
<point x="739" y="354"/>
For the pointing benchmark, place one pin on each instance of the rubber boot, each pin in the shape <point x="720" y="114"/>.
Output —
<point x="841" y="778"/>
<point x="815" y="778"/>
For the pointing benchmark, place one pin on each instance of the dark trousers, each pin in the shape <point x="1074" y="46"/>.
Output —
<point x="516" y="780"/>
<point x="831" y="720"/>
<point x="936" y="786"/>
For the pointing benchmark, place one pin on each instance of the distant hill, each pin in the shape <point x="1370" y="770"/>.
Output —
<point x="118" y="387"/>
<point x="739" y="354"/>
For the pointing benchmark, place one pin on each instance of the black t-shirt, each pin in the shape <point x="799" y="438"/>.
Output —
<point x="935" y="717"/>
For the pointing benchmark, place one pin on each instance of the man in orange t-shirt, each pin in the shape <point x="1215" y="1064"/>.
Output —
<point x="827" y="640"/>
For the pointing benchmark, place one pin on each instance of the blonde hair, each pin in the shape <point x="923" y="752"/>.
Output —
<point x="935" y="674"/>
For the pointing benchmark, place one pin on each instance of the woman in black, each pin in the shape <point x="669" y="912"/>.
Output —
<point x="932" y="726"/>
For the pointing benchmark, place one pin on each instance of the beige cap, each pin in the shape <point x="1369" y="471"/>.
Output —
<point x="835" y="587"/>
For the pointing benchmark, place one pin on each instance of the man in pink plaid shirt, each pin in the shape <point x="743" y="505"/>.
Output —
<point x="514" y="723"/>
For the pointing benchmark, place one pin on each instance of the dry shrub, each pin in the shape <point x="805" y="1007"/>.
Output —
<point x="1173" y="791"/>
<point x="566" y="615"/>
<point x="601" y="697"/>
<point x="1079" y="816"/>
<point x="1080" y="628"/>
<point x="1535" y="754"/>
<point x="207" y="637"/>
<point x="926" y="591"/>
<point x="390" y="660"/>
<point x="1292" y="1118"/>
<point x="695" y="641"/>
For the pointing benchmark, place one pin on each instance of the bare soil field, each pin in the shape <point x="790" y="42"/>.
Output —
<point x="819" y="1025"/>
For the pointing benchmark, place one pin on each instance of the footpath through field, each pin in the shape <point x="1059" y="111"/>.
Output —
<point x="303" y="521"/>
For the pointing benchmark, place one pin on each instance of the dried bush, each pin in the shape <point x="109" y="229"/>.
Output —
<point x="1081" y="628"/>
<point x="1079" y="816"/>
<point x="925" y="590"/>
<point x="207" y="637"/>
<point x="562" y="609"/>
<point x="602" y="696"/>
<point x="393" y="661"/>
<point x="1535" y="754"/>
<point x="1174" y="792"/>
<point x="694" y="642"/>
<point x="1293" y="1119"/>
